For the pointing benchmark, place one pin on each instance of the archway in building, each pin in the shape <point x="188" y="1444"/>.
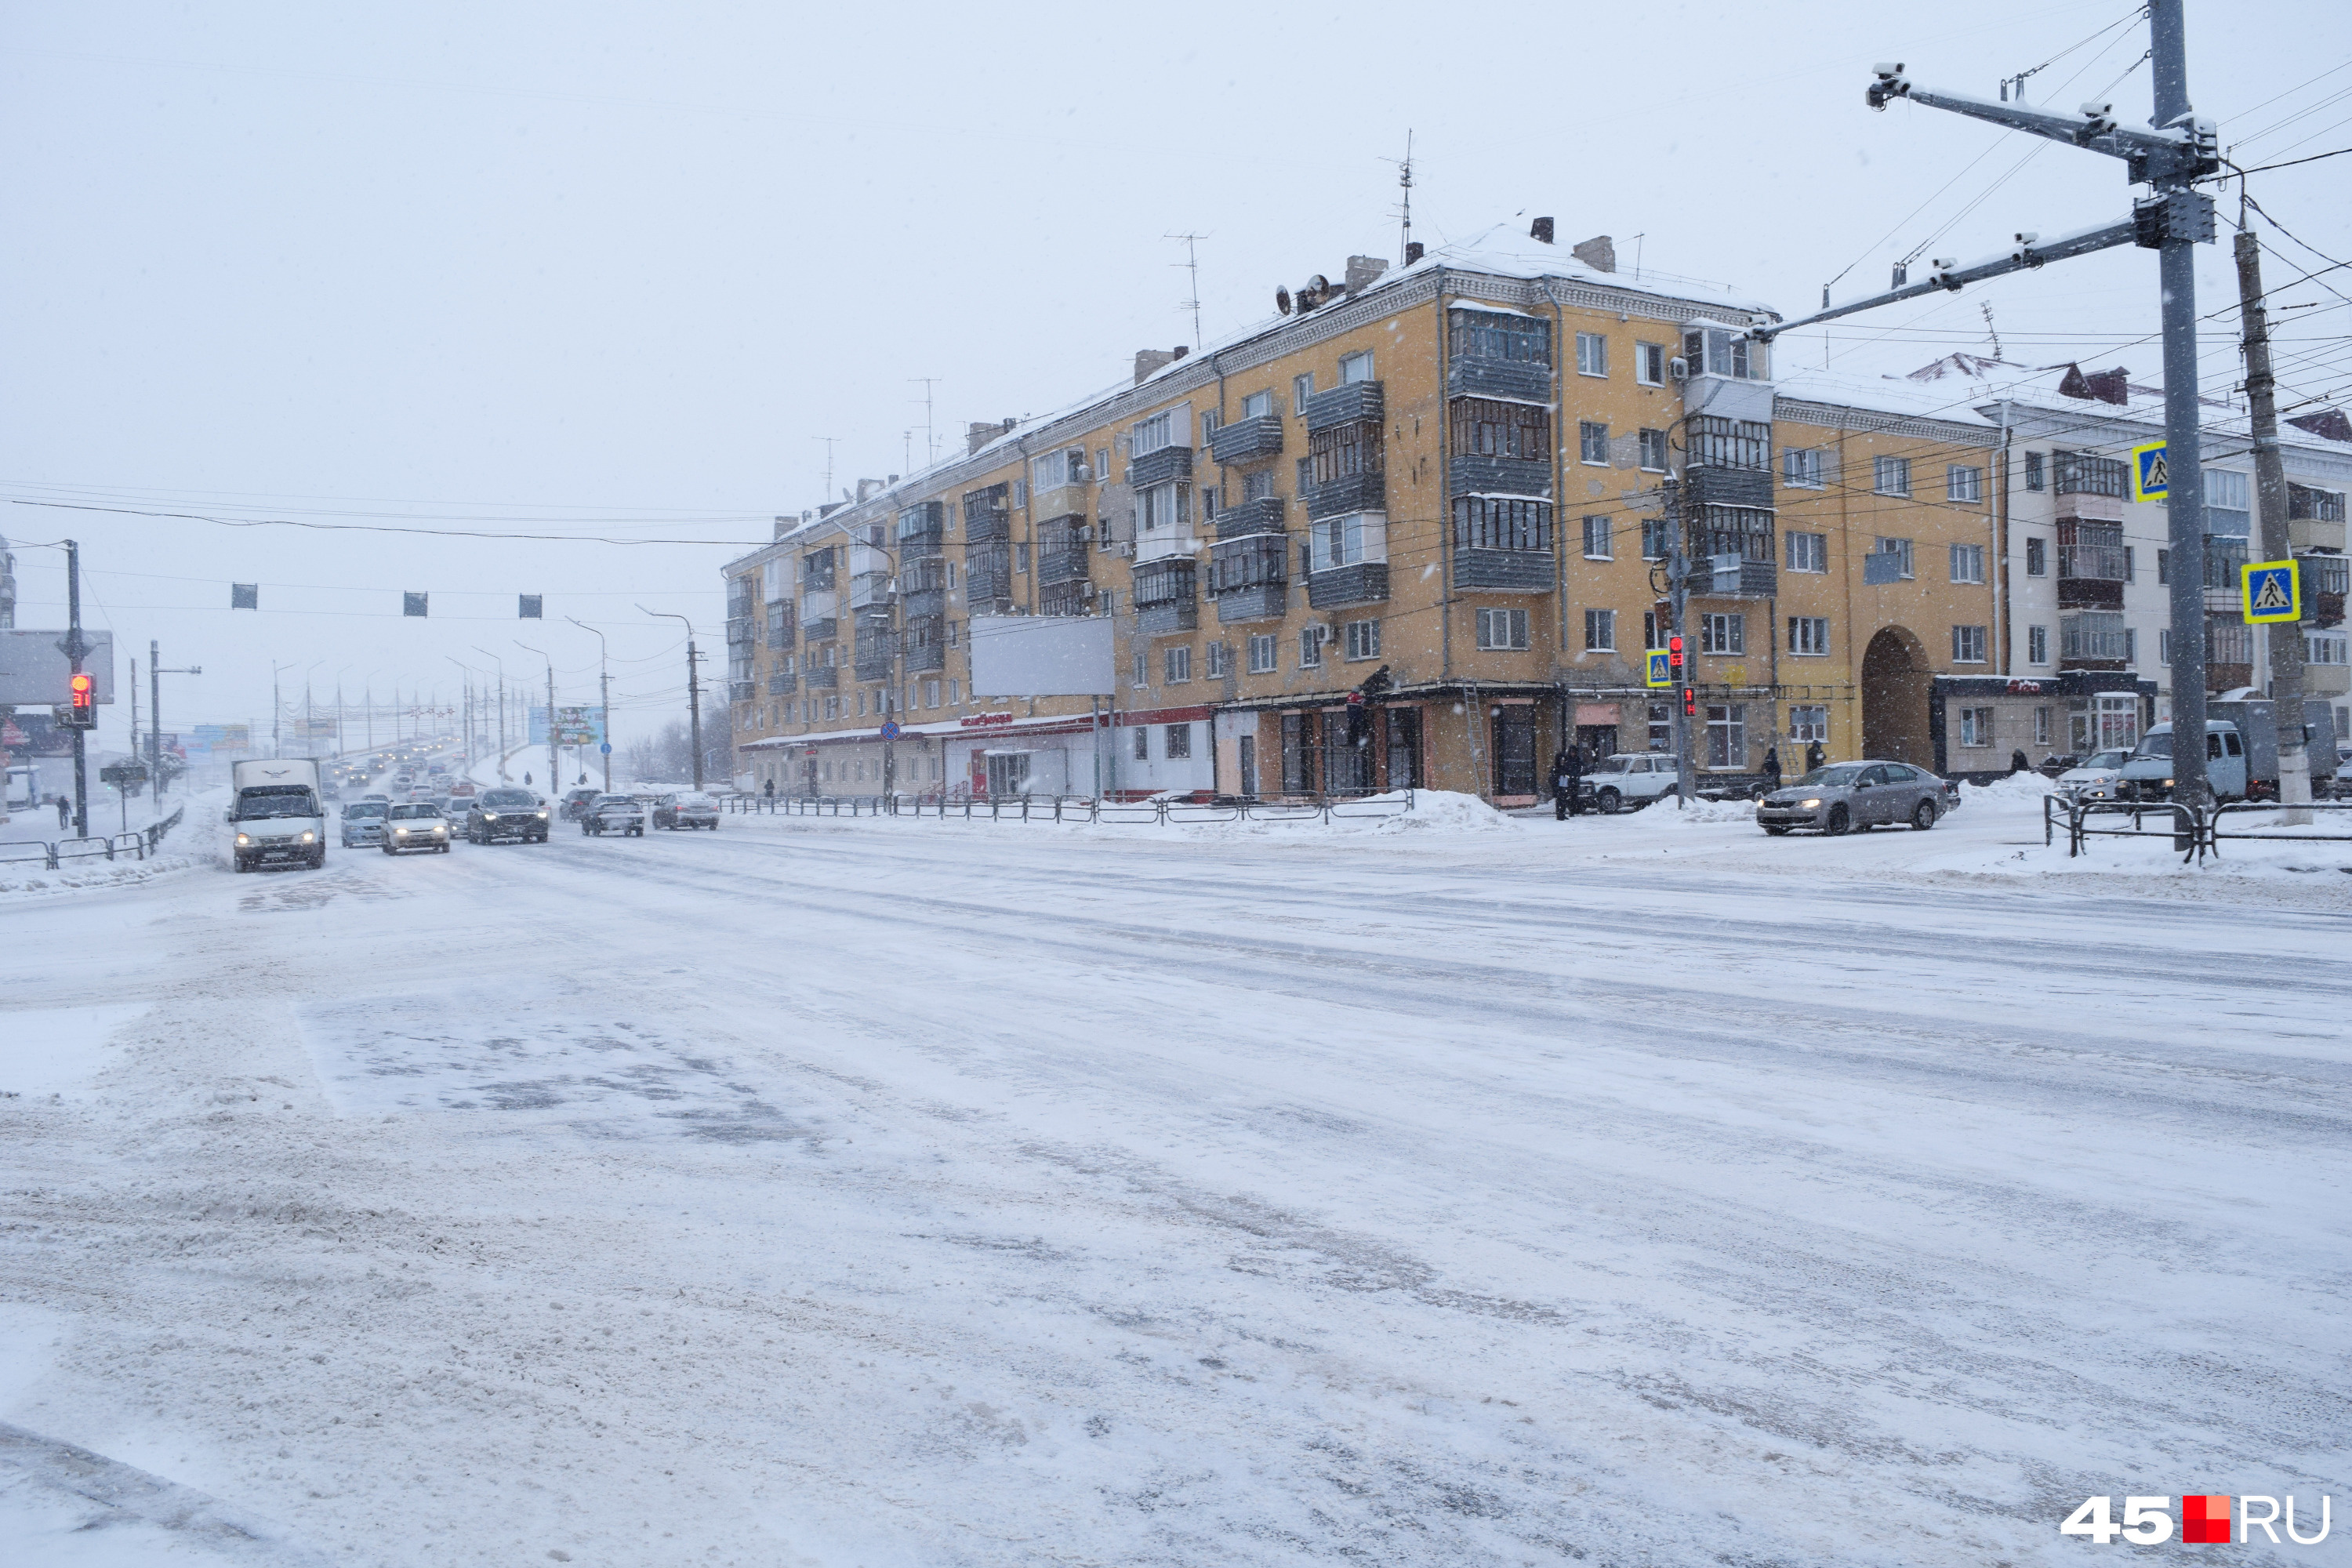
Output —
<point x="1894" y="683"/>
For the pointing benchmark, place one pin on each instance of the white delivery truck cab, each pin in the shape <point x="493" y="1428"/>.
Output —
<point x="277" y="817"/>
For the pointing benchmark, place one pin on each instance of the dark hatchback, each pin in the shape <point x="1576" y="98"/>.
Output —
<point x="514" y="813"/>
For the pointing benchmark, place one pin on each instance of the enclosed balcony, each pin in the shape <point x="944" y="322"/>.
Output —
<point x="1072" y="597"/>
<point x="876" y="647"/>
<point x="1350" y="403"/>
<point x="783" y="625"/>
<point x="922" y="529"/>
<point x="1263" y="515"/>
<point x="1164" y="597"/>
<point x="1064" y="551"/>
<point x="1732" y="547"/>
<point x="2094" y="639"/>
<point x="821" y="677"/>
<point x="1169" y="465"/>
<point x="2093" y="564"/>
<point x="1365" y="583"/>
<point x="739" y="630"/>
<point x="1705" y="485"/>
<point x="825" y="630"/>
<point x="2325" y="580"/>
<point x="1249" y="577"/>
<point x="988" y="514"/>
<point x="869" y="589"/>
<point x="742" y="690"/>
<point x="1496" y="353"/>
<point x="1503" y="544"/>
<point x="817" y="568"/>
<point x="1247" y="441"/>
<point x="783" y="685"/>
<point x="988" y="578"/>
<point x="2229" y="652"/>
<point x="1469" y="475"/>
<point x="926" y="643"/>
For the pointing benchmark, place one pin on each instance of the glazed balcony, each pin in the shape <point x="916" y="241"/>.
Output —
<point x="1247" y="441"/>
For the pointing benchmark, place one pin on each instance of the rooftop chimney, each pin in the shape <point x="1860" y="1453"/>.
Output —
<point x="1149" y="362"/>
<point x="1600" y="253"/>
<point x="1362" y="271"/>
<point x="975" y="436"/>
<point x="1413" y="251"/>
<point x="1540" y="230"/>
<point x="2102" y="387"/>
<point x="785" y="525"/>
<point x="866" y="489"/>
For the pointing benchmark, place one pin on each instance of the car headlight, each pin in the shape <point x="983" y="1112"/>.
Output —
<point x="402" y="831"/>
<point x="2167" y="783"/>
<point x="542" y="816"/>
<point x="1808" y="804"/>
<point x="489" y="816"/>
<point x="241" y="839"/>
<point x="308" y="836"/>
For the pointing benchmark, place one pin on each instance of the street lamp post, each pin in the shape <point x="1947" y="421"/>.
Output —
<point x="278" y="709"/>
<point x="155" y="673"/>
<point x="494" y="658"/>
<point x="554" y="767"/>
<point x="604" y="698"/>
<point x="693" y="690"/>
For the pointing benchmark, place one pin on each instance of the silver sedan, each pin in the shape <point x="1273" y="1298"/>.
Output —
<point x="1844" y="796"/>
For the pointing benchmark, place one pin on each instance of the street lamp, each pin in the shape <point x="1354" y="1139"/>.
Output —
<point x="155" y="673"/>
<point x="278" y="708"/>
<point x="604" y="704"/>
<point x="554" y="768"/>
<point x="494" y="658"/>
<point x="693" y="690"/>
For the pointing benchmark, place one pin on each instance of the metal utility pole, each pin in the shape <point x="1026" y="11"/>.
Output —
<point x="155" y="673"/>
<point x="76" y="646"/>
<point x="486" y="653"/>
<point x="554" y="767"/>
<point x="2177" y="151"/>
<point x="1685" y="677"/>
<point x="693" y="690"/>
<point x="278" y="711"/>
<point x="605" y="700"/>
<point x="2278" y="543"/>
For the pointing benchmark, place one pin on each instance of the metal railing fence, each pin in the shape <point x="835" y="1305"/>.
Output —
<point x="139" y="844"/>
<point x="1073" y="807"/>
<point x="2195" y="831"/>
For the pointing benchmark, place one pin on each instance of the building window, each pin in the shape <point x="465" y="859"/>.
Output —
<point x="1891" y="476"/>
<point x="861" y="705"/>
<point x="1653" y="631"/>
<point x="1142" y="744"/>
<point x="1975" y="726"/>
<point x="1808" y="552"/>
<point x="1801" y="467"/>
<point x="2324" y="647"/>
<point x="1901" y="550"/>
<point x="1311" y="647"/>
<point x="1968" y="644"/>
<point x="955" y="693"/>
<point x="1653" y="451"/>
<point x="1355" y="367"/>
<point x="930" y="694"/>
<point x="1361" y="639"/>
<point x="1592" y="443"/>
<point x="2042" y="726"/>
<point x="1601" y="631"/>
<point x="2228" y="508"/>
<point x="1142" y="667"/>
<point x="1597" y="545"/>
<point x="2037" y="645"/>
<point x="1257" y="404"/>
<point x="1963" y="484"/>
<point x="1661" y="727"/>
<point x="1302" y="387"/>
<point x="1220" y="661"/>
<point x="2037" y="558"/>
<point x="1021" y="558"/>
<point x="1347" y="540"/>
<point x="1809" y="723"/>
<point x="1656" y="538"/>
<point x="1150" y="436"/>
<point x="1178" y="664"/>
<point x="1808" y="634"/>
<point x="1650" y="364"/>
<point x="1726" y="735"/>
<point x="1177" y="738"/>
<point x="2034" y="479"/>
<point x="1261" y="653"/>
<point x="1591" y="354"/>
<point x="1719" y="633"/>
<point x="1967" y="562"/>
<point x="1504" y="629"/>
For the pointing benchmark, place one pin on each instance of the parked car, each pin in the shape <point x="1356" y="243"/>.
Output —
<point x="674" y="811"/>
<point x="2099" y="776"/>
<point x="1846" y="796"/>
<point x="415" y="824"/>
<point x="363" y="821"/>
<point x="577" y="802"/>
<point x="505" y="813"/>
<point x="1631" y="780"/>
<point x="615" y="814"/>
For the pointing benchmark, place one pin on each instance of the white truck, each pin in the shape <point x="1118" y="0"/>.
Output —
<point x="277" y="817"/>
<point x="2241" y="753"/>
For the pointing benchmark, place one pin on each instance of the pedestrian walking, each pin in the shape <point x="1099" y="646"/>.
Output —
<point x="1772" y="769"/>
<point x="1815" y="757"/>
<point x="768" y="790"/>
<point x="65" y="813"/>
<point x="1568" y="782"/>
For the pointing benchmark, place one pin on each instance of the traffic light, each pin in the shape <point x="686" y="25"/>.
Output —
<point x="81" y="711"/>
<point x="1675" y="657"/>
<point x="1690" y="701"/>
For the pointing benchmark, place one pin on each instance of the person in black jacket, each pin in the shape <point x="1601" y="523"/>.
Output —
<point x="1772" y="769"/>
<point x="1568" y="783"/>
<point x="1814" y="757"/>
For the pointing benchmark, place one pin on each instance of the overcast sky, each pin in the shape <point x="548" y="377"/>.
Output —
<point x="589" y="268"/>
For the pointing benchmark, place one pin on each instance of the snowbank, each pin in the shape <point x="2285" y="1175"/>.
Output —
<point x="196" y="842"/>
<point x="1697" y="813"/>
<point x="2026" y="787"/>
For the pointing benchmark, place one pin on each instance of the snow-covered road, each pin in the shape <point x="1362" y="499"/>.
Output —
<point x="915" y="1193"/>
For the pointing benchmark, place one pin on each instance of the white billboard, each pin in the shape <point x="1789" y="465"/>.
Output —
<point x="1042" y="655"/>
<point x="34" y="669"/>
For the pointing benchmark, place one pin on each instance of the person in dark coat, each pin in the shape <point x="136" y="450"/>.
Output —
<point x="2017" y="763"/>
<point x="768" y="790"/>
<point x="1568" y="783"/>
<point x="65" y="813"/>
<point x="1815" y="757"/>
<point x="1772" y="769"/>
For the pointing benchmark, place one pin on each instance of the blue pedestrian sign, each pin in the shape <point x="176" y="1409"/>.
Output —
<point x="2270" y="591"/>
<point x="2151" y="478"/>
<point x="890" y="729"/>
<point x="1662" y="667"/>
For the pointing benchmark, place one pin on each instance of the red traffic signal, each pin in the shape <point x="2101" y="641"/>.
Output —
<point x="81" y="713"/>
<point x="1690" y="701"/>
<point x="1675" y="653"/>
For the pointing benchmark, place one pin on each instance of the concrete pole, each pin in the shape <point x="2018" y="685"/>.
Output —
<point x="2185" y="497"/>
<point x="2270" y="488"/>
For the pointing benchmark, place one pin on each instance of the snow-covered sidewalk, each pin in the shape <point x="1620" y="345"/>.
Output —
<point x="1631" y="1190"/>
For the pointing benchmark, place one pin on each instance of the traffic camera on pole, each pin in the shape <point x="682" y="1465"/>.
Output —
<point x="81" y="711"/>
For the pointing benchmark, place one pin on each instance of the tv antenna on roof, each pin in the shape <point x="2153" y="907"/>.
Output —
<point x="1404" y="207"/>
<point x="829" y="441"/>
<point x="931" y="441"/>
<point x="1191" y="265"/>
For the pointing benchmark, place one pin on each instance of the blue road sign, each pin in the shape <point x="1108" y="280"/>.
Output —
<point x="890" y="729"/>
<point x="1662" y="669"/>
<point x="606" y="748"/>
<point x="2270" y="591"/>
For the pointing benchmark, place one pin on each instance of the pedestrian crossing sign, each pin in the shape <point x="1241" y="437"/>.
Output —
<point x="2271" y="592"/>
<point x="2150" y="479"/>
<point x="1662" y="667"/>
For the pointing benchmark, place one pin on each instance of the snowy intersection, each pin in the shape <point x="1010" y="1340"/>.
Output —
<point x="897" y="1193"/>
